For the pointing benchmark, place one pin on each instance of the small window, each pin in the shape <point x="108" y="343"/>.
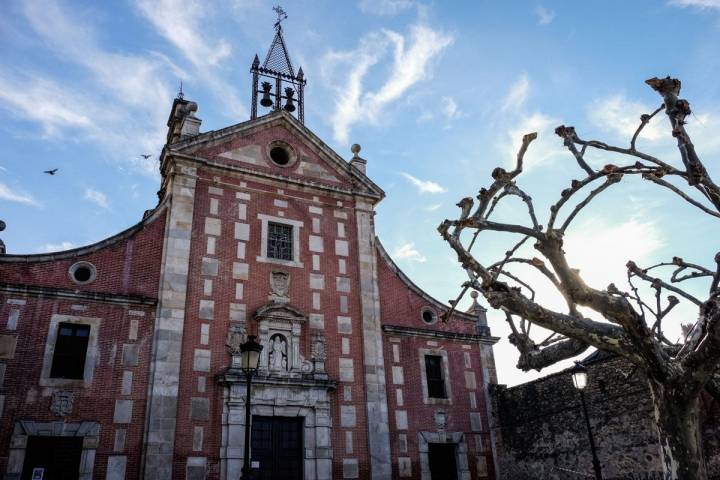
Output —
<point x="429" y="316"/>
<point x="434" y="374"/>
<point x="280" y="156"/>
<point x="82" y="273"/>
<point x="279" y="241"/>
<point x="70" y="351"/>
<point x="281" y="153"/>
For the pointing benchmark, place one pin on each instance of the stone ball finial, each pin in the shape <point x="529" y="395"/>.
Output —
<point x="474" y="294"/>
<point x="355" y="149"/>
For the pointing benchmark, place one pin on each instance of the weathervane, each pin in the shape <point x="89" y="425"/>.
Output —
<point x="181" y="95"/>
<point x="281" y="15"/>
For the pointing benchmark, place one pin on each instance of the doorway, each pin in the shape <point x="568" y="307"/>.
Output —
<point x="52" y="458"/>
<point x="441" y="457"/>
<point x="277" y="444"/>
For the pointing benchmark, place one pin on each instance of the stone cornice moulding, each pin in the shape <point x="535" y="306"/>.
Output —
<point x="246" y="172"/>
<point x="277" y="118"/>
<point x="148" y="218"/>
<point x="426" y="333"/>
<point x="52" y="292"/>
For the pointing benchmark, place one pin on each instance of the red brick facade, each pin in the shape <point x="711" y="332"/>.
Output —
<point x="169" y="294"/>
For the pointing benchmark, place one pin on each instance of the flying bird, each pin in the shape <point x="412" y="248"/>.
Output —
<point x="146" y="155"/>
<point x="51" y="172"/>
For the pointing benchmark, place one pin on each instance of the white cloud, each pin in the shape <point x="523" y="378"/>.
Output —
<point x="433" y="207"/>
<point x="544" y="16"/>
<point x="424" y="186"/>
<point x="97" y="108"/>
<point x="179" y="21"/>
<point x="411" y="58"/>
<point x="46" y="103"/>
<point x="135" y="80"/>
<point x="17" y="196"/>
<point x="702" y="4"/>
<point x="96" y="197"/>
<point x="384" y="7"/>
<point x="56" y="247"/>
<point x="622" y="116"/>
<point x="450" y="108"/>
<point x="182" y="23"/>
<point x="408" y="252"/>
<point x="516" y="96"/>
<point x="542" y="151"/>
<point x="600" y="248"/>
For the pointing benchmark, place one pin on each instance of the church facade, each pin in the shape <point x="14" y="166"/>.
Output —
<point x="120" y="359"/>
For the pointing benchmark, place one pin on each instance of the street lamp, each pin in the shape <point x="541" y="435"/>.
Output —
<point x="579" y="378"/>
<point x="249" y="359"/>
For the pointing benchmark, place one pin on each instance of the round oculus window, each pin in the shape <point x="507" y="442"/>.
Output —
<point x="281" y="153"/>
<point x="82" y="273"/>
<point x="428" y="316"/>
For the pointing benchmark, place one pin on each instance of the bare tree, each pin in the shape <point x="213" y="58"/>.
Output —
<point x="677" y="371"/>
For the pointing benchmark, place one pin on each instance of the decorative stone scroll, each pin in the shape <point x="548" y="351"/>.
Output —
<point x="61" y="402"/>
<point x="279" y="286"/>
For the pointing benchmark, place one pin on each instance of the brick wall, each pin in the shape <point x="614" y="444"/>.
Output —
<point x="412" y="414"/>
<point x="115" y="396"/>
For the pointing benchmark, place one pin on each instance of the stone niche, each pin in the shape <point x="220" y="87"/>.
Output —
<point x="279" y="332"/>
<point x="286" y="385"/>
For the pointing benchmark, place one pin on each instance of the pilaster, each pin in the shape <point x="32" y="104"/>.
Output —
<point x="167" y="339"/>
<point x="373" y="361"/>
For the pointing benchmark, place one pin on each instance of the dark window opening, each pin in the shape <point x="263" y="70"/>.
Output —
<point x="70" y="351"/>
<point x="82" y="274"/>
<point x="280" y="156"/>
<point x="434" y="374"/>
<point x="279" y="242"/>
<point x="428" y="316"/>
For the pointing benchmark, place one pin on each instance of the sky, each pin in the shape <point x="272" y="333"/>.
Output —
<point x="437" y="93"/>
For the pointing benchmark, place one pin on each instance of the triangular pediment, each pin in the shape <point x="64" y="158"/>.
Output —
<point x="248" y="146"/>
<point x="279" y="311"/>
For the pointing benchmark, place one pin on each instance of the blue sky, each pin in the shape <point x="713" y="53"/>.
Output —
<point x="437" y="94"/>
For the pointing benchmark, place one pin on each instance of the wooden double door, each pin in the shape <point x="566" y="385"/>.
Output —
<point x="277" y="444"/>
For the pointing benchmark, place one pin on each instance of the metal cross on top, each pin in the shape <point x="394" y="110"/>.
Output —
<point x="281" y="15"/>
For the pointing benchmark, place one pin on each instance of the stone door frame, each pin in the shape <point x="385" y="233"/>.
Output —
<point x="461" y="451"/>
<point x="90" y="431"/>
<point x="273" y="398"/>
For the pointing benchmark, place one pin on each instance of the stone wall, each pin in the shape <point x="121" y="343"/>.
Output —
<point x="541" y="431"/>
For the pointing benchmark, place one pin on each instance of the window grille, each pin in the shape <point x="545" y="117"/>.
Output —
<point x="279" y="240"/>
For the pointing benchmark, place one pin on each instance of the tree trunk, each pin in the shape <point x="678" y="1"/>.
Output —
<point x="678" y="421"/>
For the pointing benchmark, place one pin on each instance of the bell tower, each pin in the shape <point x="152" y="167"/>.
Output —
<point x="280" y="83"/>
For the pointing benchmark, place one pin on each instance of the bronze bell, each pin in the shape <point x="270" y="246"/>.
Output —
<point x="266" y="100"/>
<point x="289" y="106"/>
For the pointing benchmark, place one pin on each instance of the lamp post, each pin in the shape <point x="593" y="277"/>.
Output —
<point x="249" y="359"/>
<point x="579" y="378"/>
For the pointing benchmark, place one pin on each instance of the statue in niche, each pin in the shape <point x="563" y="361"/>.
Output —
<point x="278" y="354"/>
